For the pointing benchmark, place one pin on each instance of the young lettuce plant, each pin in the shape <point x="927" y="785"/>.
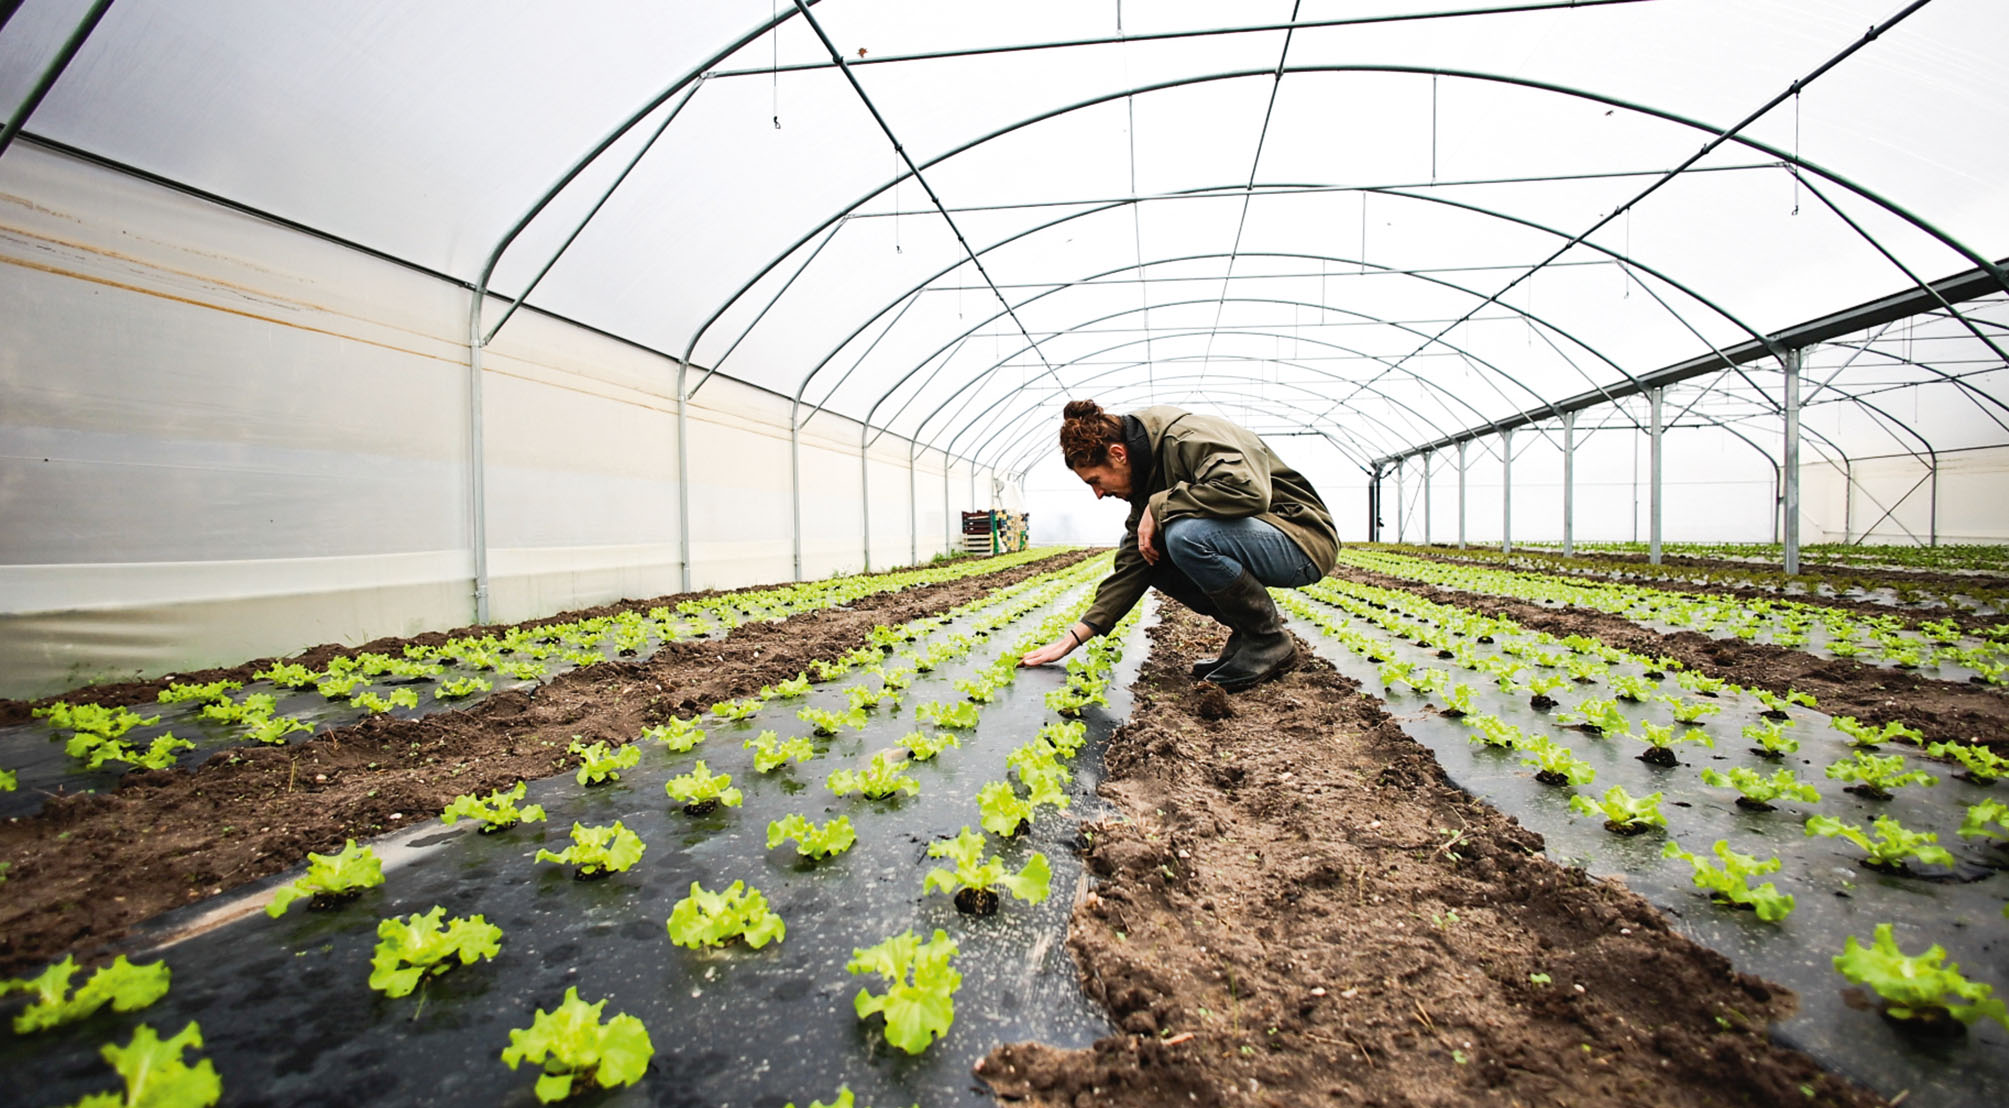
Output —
<point x="1756" y="791"/>
<point x="961" y="716"/>
<point x="812" y="841"/>
<point x="154" y="1074"/>
<point x="1924" y="989"/>
<point x="495" y="812"/>
<point x="1065" y="737"/>
<point x="701" y="792"/>
<point x="93" y="718"/>
<point x="1541" y="686"/>
<point x="598" y="764"/>
<point x="1556" y="765"/>
<point x="1071" y="700"/>
<point x="598" y="851"/>
<point x="287" y="676"/>
<point x="1891" y="847"/>
<point x="273" y="730"/>
<point x="1600" y="716"/>
<point x="577" y="1051"/>
<point x="679" y="734"/>
<point x="1623" y="813"/>
<point x="771" y="752"/>
<point x="1771" y="737"/>
<point x="791" y="689"/>
<point x="706" y="918"/>
<point x="826" y="722"/>
<point x="1002" y="811"/>
<point x="413" y="949"/>
<point x="1660" y="739"/>
<point x="124" y="986"/>
<point x="919" y="1004"/>
<point x="1876" y="776"/>
<point x="975" y="880"/>
<point x="184" y="693"/>
<point x="1690" y="711"/>
<point x="1977" y="823"/>
<point x="96" y="750"/>
<point x="1978" y="763"/>
<point x="1867" y="734"/>
<point x="1732" y="883"/>
<point x="461" y="688"/>
<point x="331" y="879"/>
<point x="923" y="747"/>
<point x="1491" y="730"/>
<point x="375" y="704"/>
<point x="884" y="776"/>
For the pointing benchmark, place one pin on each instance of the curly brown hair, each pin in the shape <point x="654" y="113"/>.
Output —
<point x="1086" y="434"/>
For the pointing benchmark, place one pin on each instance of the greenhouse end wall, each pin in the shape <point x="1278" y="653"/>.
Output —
<point x="221" y="438"/>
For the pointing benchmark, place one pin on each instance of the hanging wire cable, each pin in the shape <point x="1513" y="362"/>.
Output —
<point x="838" y="57"/>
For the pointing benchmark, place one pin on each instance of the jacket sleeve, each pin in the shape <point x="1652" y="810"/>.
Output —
<point x="1225" y="482"/>
<point x="1125" y="585"/>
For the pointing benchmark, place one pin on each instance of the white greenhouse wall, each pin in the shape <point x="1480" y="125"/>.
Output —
<point x="1890" y="500"/>
<point x="221" y="438"/>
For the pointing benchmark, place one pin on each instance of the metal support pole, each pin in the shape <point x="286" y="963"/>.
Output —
<point x="948" y="536"/>
<point x="1426" y="498"/>
<point x="1654" y="480"/>
<point x="795" y="484"/>
<point x="1933" y="506"/>
<point x="913" y="509"/>
<point x="1569" y="482"/>
<point x="1374" y="505"/>
<point x="477" y="484"/>
<point x="1506" y="492"/>
<point x="1789" y="475"/>
<point x="1461" y="494"/>
<point x="1401" y="505"/>
<point x="1848" y="501"/>
<point x="865" y="494"/>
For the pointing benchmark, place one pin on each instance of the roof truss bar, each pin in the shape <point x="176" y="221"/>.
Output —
<point x="54" y="70"/>
<point x="1872" y="313"/>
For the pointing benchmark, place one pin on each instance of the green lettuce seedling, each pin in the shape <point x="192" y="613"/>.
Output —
<point x="576" y="1050"/>
<point x="1001" y="810"/>
<point x="461" y="688"/>
<point x="495" y="812"/>
<point x="706" y="918"/>
<point x="225" y="710"/>
<point x="274" y="729"/>
<point x="599" y="851"/>
<point x="1918" y="987"/>
<point x="287" y="676"/>
<point x="1979" y="818"/>
<point x="154" y="1074"/>
<point x="1065" y="736"/>
<point x="93" y="718"/>
<point x="828" y="671"/>
<point x="399" y="698"/>
<point x="412" y="948"/>
<point x="598" y="764"/>
<point x="845" y="1099"/>
<point x="923" y="747"/>
<point x="1771" y="737"/>
<point x="732" y="711"/>
<point x="124" y="986"/>
<point x="1660" y="739"/>
<point x="979" y="690"/>
<point x="771" y="752"/>
<point x="1598" y="715"/>
<point x="1732" y="883"/>
<point x="976" y="877"/>
<point x="96" y="750"/>
<point x="1624" y="686"/>
<point x="331" y="877"/>
<point x="1071" y="701"/>
<point x="797" y="686"/>
<point x="1623" y="813"/>
<point x="680" y="735"/>
<point x="700" y="788"/>
<point x="1758" y="791"/>
<point x="1981" y="763"/>
<point x="812" y="841"/>
<point x="1876" y="776"/>
<point x="180" y="693"/>
<point x="1892" y="846"/>
<point x="825" y="722"/>
<point x="8" y="783"/>
<point x="1690" y="711"/>
<point x="919" y="1004"/>
<point x="340" y="686"/>
<point x="882" y="777"/>
<point x="1491" y="730"/>
<point x="961" y="716"/>
<point x="1556" y="765"/>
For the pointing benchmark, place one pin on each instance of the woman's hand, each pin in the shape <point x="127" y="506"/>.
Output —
<point x="1147" y="537"/>
<point x="1058" y="648"/>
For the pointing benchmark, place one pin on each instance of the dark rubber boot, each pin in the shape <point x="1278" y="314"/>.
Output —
<point x="1205" y="666"/>
<point x="1267" y="650"/>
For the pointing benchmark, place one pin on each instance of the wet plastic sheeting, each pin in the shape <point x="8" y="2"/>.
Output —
<point x="1834" y="897"/>
<point x="288" y="1018"/>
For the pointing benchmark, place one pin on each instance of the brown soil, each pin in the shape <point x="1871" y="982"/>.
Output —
<point x="1945" y="711"/>
<point x="1325" y="918"/>
<point x="89" y="867"/>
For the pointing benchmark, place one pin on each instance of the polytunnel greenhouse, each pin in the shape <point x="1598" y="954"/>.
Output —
<point x="557" y="552"/>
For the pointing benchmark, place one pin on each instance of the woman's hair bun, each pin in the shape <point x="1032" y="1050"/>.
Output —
<point x="1081" y="409"/>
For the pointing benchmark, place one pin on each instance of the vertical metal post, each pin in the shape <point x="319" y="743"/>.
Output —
<point x="1461" y="495"/>
<point x="683" y="475"/>
<point x="1426" y="498"/>
<point x="948" y="536"/>
<point x="1789" y="475"/>
<point x="1848" y="501"/>
<point x="865" y="493"/>
<point x="1569" y="483"/>
<point x="1374" y="505"/>
<point x="795" y="483"/>
<point x="1654" y="478"/>
<point x="1507" y="491"/>
<point x="1933" y="522"/>
<point x="1401" y="505"/>
<point x="477" y="476"/>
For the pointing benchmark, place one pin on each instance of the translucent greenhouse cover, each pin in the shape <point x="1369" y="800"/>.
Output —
<point x="1379" y="223"/>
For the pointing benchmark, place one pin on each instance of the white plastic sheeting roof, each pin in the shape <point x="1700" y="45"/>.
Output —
<point x="1385" y="222"/>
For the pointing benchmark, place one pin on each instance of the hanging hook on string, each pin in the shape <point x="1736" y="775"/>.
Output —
<point x="774" y="65"/>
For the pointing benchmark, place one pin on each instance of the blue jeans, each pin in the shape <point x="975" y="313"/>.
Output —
<point x="1208" y="555"/>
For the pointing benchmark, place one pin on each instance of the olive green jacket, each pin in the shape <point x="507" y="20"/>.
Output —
<point x="1202" y="465"/>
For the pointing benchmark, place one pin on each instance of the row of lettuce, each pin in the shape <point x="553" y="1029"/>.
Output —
<point x="1815" y="629"/>
<point x="572" y="1046"/>
<point x="1662" y="707"/>
<point x="1969" y="557"/>
<point x="456" y="669"/>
